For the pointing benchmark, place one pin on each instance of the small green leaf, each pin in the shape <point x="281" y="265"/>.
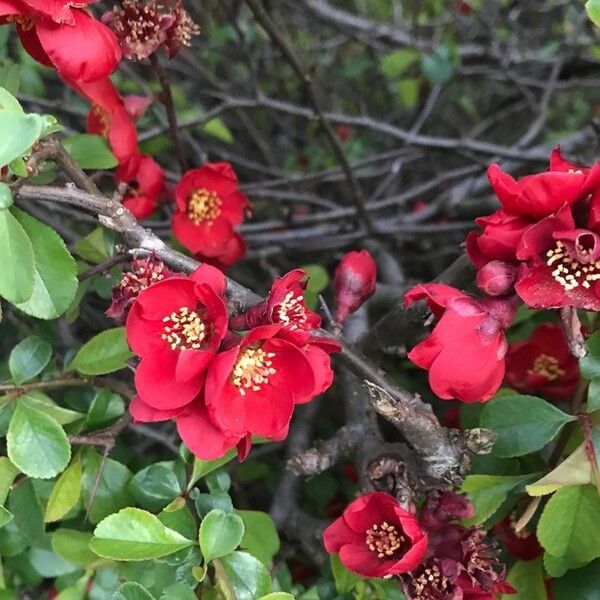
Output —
<point x="488" y="492"/>
<point x="132" y="591"/>
<point x="65" y="493"/>
<point x="568" y="524"/>
<point x="527" y="577"/>
<point x="157" y="485"/>
<point x="90" y="151"/>
<point x="104" y="353"/>
<point x="55" y="273"/>
<point x="592" y="8"/>
<point x="43" y="403"/>
<point x="29" y="358"/>
<point x="8" y="472"/>
<point x="593" y="397"/>
<point x="260" y="535"/>
<point x="217" y="128"/>
<point x="220" y="534"/>
<point x="94" y="247"/>
<point x="18" y="132"/>
<point x="134" y="534"/>
<point x="25" y="506"/>
<point x="438" y="66"/>
<point x="204" y="467"/>
<point x="18" y="265"/>
<point x="345" y="580"/>
<point x="523" y="424"/>
<point x="318" y="280"/>
<point x="36" y="443"/>
<point x="394" y="64"/>
<point x="245" y="575"/>
<point x="6" y="197"/>
<point x="73" y="545"/>
<point x="5" y="517"/>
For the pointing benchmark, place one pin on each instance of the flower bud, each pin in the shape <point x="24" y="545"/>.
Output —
<point x="496" y="278"/>
<point x="355" y="279"/>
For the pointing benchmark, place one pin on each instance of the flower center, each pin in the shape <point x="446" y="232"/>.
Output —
<point x="204" y="205"/>
<point x="569" y="272"/>
<point x="253" y="369"/>
<point x="144" y="274"/>
<point x="384" y="539"/>
<point x="430" y="581"/>
<point x="291" y="311"/>
<point x="184" y="329"/>
<point x="547" y="366"/>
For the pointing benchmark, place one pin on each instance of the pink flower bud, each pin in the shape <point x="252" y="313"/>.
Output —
<point x="496" y="278"/>
<point x="355" y="279"/>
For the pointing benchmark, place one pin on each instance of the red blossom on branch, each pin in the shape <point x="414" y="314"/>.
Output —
<point x="464" y="353"/>
<point x="355" y="280"/>
<point x="521" y="544"/>
<point x="543" y="364"/>
<point x="376" y="537"/>
<point x="209" y="206"/>
<point x="60" y="34"/>
<point x="143" y="188"/>
<point x="176" y="326"/>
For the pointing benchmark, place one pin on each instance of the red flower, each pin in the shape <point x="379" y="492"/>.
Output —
<point x="183" y="29"/>
<point x="144" y="188"/>
<point x="355" y="279"/>
<point x="439" y="509"/>
<point x="176" y="327"/>
<point x="253" y="387"/>
<point x="376" y="537"/>
<point x="543" y="364"/>
<point x="465" y="352"/>
<point x="209" y="206"/>
<point x="58" y="33"/>
<point x="521" y="544"/>
<point x="284" y="305"/>
<point x="144" y="272"/>
<point x="543" y="193"/>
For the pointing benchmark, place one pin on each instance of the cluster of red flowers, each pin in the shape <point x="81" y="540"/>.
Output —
<point x="541" y="247"/>
<point x="434" y="558"/>
<point x="221" y="387"/>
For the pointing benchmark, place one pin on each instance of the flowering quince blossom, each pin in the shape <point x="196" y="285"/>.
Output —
<point x="144" y="272"/>
<point x="459" y="563"/>
<point x="354" y="279"/>
<point x="62" y="34"/>
<point x="376" y="537"/>
<point x="284" y="304"/>
<point x="543" y="364"/>
<point x="547" y="232"/>
<point x="209" y="207"/>
<point x="176" y="326"/>
<point x="143" y="188"/>
<point x="521" y="544"/>
<point x="253" y="387"/>
<point x="465" y="351"/>
<point x="142" y="26"/>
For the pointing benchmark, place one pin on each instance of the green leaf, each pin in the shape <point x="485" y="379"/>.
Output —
<point x="106" y="406"/>
<point x="438" y="66"/>
<point x="582" y="584"/>
<point x="592" y="7"/>
<point x="77" y="591"/>
<point x="157" y="485"/>
<point x="110" y="492"/>
<point x="557" y="566"/>
<point x="217" y="128"/>
<point x="65" y="493"/>
<point x="55" y="274"/>
<point x="104" y="353"/>
<point x="277" y="596"/>
<point x="407" y="91"/>
<point x="134" y="534"/>
<point x="90" y="151"/>
<point x="36" y="443"/>
<point x="132" y="591"/>
<point x="244" y="575"/>
<point x="204" y="467"/>
<point x="18" y="265"/>
<point x="29" y="358"/>
<point x="40" y="401"/>
<point x="318" y="280"/>
<point x="8" y="472"/>
<point x="18" y="132"/>
<point x="9" y="80"/>
<point x="345" y="580"/>
<point x="6" y="197"/>
<point x="73" y="545"/>
<point x="25" y="506"/>
<point x="220" y="534"/>
<point x="589" y="365"/>
<point x="568" y="524"/>
<point x="260" y="535"/>
<point x="394" y="64"/>
<point x="180" y="591"/>
<point x="5" y="517"/>
<point x="593" y="397"/>
<point x="574" y="470"/>
<point x="527" y="577"/>
<point x="523" y="424"/>
<point x="488" y="492"/>
<point x="95" y="246"/>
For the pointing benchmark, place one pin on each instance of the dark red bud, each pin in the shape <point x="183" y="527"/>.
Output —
<point x="496" y="278"/>
<point x="355" y="279"/>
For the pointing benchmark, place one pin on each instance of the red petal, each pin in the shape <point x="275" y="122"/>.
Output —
<point x="141" y="207"/>
<point x="212" y="277"/>
<point x="31" y="42"/>
<point x="144" y="413"/>
<point x="209" y="240"/>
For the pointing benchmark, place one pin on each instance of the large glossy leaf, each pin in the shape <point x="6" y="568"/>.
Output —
<point x="29" y="358"/>
<point x="104" y="353"/>
<point x="90" y="151"/>
<point x="18" y="132"/>
<point x="65" y="493"/>
<point x="18" y="266"/>
<point x="55" y="274"/>
<point x="245" y="575"/>
<point x="220" y="534"/>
